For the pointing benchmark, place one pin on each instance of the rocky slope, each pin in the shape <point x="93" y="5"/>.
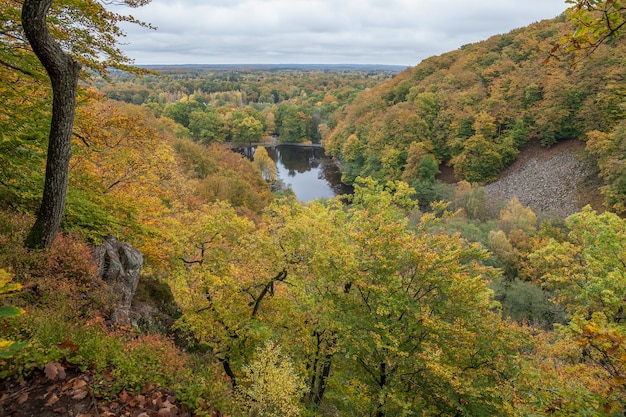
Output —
<point x="548" y="180"/>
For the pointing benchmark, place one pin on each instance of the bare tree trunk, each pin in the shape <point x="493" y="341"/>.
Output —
<point x="63" y="71"/>
<point x="382" y="366"/>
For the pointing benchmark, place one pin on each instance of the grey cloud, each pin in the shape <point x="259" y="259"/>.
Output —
<point x="321" y="31"/>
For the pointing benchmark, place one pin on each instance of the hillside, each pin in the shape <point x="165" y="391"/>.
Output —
<point x="475" y="108"/>
<point x="214" y="296"/>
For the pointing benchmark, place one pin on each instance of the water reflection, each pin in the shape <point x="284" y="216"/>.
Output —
<point x="307" y="171"/>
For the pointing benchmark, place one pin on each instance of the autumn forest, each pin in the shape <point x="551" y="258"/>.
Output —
<point x="416" y="295"/>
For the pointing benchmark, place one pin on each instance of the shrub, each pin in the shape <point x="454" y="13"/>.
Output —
<point x="270" y="385"/>
<point x="8" y="347"/>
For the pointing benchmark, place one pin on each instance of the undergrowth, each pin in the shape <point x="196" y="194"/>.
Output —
<point x="65" y="308"/>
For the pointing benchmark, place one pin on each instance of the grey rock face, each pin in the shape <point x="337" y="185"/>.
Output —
<point x="119" y="265"/>
<point x="546" y="180"/>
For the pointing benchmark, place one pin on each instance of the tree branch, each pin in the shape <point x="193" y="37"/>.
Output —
<point x="281" y="276"/>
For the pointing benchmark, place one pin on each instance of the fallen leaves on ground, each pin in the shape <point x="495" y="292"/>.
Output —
<point x="57" y="391"/>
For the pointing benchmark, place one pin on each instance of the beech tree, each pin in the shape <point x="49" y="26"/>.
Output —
<point x="87" y="29"/>
<point x="379" y="318"/>
<point x="586" y="272"/>
<point x="596" y="22"/>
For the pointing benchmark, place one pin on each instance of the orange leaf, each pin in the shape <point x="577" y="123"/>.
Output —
<point x="23" y="398"/>
<point x="107" y="375"/>
<point x="125" y="397"/>
<point x="80" y="395"/>
<point x="78" y="384"/>
<point x="52" y="400"/>
<point x="69" y="345"/>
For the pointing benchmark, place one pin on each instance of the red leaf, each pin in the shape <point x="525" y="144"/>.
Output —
<point x="69" y="345"/>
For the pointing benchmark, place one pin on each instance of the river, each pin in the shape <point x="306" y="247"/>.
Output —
<point x="307" y="171"/>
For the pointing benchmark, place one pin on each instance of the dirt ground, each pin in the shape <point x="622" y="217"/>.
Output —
<point x="74" y="396"/>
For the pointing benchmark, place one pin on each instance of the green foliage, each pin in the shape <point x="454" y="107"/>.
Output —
<point x="181" y="111"/>
<point x="298" y="105"/>
<point x="610" y="150"/>
<point x="587" y="273"/>
<point x="293" y="124"/>
<point x="25" y="118"/>
<point x="8" y="347"/>
<point x="428" y="193"/>
<point x="472" y="230"/>
<point x="595" y="22"/>
<point x="516" y="216"/>
<point x="474" y="108"/>
<point x="360" y="299"/>
<point x="501" y="247"/>
<point x="207" y="126"/>
<point x="479" y="162"/>
<point x="368" y="313"/>
<point x="472" y="199"/>
<point x="246" y="129"/>
<point x="587" y="269"/>
<point x="121" y="359"/>
<point x="526" y="302"/>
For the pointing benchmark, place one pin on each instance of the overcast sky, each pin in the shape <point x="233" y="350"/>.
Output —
<point x="400" y="32"/>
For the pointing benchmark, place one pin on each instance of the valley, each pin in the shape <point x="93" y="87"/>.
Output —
<point x="476" y="266"/>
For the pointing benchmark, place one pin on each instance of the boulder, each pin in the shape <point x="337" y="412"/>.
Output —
<point x="119" y="265"/>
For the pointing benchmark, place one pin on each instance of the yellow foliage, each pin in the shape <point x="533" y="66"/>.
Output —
<point x="8" y="347"/>
<point x="270" y="387"/>
<point x="516" y="216"/>
<point x="265" y="164"/>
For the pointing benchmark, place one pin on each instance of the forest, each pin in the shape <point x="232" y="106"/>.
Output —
<point x="410" y="296"/>
<point x="247" y="105"/>
<point x="474" y="108"/>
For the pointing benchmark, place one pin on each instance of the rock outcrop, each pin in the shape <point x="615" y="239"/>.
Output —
<point x="119" y="265"/>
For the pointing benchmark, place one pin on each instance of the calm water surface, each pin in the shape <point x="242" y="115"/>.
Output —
<point x="307" y="171"/>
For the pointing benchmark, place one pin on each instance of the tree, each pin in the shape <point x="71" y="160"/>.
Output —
<point x="479" y="162"/>
<point x="180" y="112"/>
<point x="378" y="318"/>
<point x="587" y="274"/>
<point x="246" y="129"/>
<point x="415" y="157"/>
<point x="271" y="387"/>
<point x="611" y="150"/>
<point x="420" y="171"/>
<point x="595" y="23"/>
<point x="207" y="126"/>
<point x="407" y="296"/>
<point x="265" y="164"/>
<point x="516" y="216"/>
<point x="63" y="69"/>
<point x="292" y="123"/>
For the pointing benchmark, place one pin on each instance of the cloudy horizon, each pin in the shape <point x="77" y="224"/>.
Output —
<point x="386" y="32"/>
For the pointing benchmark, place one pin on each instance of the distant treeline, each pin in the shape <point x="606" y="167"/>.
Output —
<point x="241" y="104"/>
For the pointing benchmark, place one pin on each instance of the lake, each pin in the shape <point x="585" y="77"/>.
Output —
<point x="307" y="171"/>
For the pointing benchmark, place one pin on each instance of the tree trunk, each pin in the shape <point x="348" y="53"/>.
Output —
<point x="229" y="371"/>
<point x="323" y="378"/>
<point x="63" y="71"/>
<point x="382" y="366"/>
